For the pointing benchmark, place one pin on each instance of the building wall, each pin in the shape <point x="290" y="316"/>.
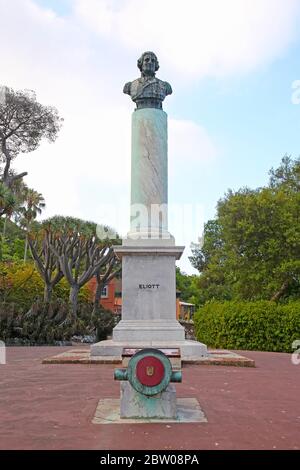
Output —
<point x="106" y="302"/>
<point x="177" y="308"/>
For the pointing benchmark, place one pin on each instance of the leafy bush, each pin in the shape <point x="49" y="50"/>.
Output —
<point x="48" y="323"/>
<point x="104" y="322"/>
<point x="261" y="325"/>
<point x="21" y="284"/>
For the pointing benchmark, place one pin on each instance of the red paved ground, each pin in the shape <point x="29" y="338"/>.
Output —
<point x="51" y="406"/>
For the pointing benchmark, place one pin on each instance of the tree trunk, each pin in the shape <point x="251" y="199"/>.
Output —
<point x="98" y="296"/>
<point x="2" y="241"/>
<point x="47" y="293"/>
<point x="280" y="292"/>
<point x="74" y="299"/>
<point x="26" y="248"/>
<point x="4" y="227"/>
<point x="5" y="177"/>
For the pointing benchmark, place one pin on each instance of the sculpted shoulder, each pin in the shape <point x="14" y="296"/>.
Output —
<point x="127" y="88"/>
<point x="130" y="88"/>
<point x="169" y="90"/>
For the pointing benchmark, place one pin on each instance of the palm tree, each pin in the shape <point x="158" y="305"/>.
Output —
<point x="8" y="204"/>
<point x="7" y="201"/>
<point x="16" y="193"/>
<point x="33" y="204"/>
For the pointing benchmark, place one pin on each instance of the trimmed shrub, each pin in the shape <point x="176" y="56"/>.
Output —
<point x="261" y="325"/>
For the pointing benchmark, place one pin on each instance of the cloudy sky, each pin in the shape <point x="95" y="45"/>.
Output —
<point x="233" y="66"/>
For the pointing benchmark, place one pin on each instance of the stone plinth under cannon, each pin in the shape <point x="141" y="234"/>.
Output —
<point x="146" y="388"/>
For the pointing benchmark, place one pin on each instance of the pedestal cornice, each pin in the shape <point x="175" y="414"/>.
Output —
<point x="137" y="250"/>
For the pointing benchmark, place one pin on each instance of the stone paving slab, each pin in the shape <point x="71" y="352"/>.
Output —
<point x="216" y="357"/>
<point x="188" y="411"/>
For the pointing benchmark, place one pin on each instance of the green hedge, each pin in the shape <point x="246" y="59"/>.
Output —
<point x="261" y="325"/>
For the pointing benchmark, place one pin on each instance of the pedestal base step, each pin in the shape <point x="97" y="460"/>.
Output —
<point x="214" y="358"/>
<point x="189" y="349"/>
<point x="188" y="411"/>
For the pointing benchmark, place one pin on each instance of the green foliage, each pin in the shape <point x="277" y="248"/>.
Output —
<point x="12" y="250"/>
<point x="32" y="204"/>
<point x="287" y="176"/>
<point x="104" y="322"/>
<point x="252" y="250"/>
<point x="8" y="201"/>
<point x="187" y="285"/>
<point x="212" y="244"/>
<point x="260" y="325"/>
<point x="22" y="285"/>
<point x="48" y="323"/>
<point x="12" y="230"/>
<point x="60" y="223"/>
<point x="65" y="224"/>
<point x="62" y="291"/>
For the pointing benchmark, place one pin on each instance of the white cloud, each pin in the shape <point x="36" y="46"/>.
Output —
<point x="189" y="142"/>
<point x="197" y="37"/>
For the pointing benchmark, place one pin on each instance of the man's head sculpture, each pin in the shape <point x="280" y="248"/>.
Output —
<point x="148" y="91"/>
<point x="148" y="64"/>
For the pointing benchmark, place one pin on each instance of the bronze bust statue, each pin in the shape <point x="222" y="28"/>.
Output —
<point x="148" y="91"/>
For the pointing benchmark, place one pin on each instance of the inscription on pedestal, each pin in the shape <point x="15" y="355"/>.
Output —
<point x="149" y="286"/>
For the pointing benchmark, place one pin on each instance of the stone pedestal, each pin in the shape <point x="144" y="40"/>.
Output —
<point x="149" y="252"/>
<point x="135" y="405"/>
<point x="149" y="304"/>
<point x="149" y="294"/>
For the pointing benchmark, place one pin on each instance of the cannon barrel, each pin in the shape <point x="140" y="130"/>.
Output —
<point x="149" y="372"/>
<point x="120" y="374"/>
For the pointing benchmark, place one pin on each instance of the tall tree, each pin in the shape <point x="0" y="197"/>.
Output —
<point x="87" y="228"/>
<point x="8" y="204"/>
<point x="252" y="250"/>
<point x="23" y="124"/>
<point x="46" y="261"/>
<point x="80" y="258"/>
<point x="17" y="192"/>
<point x="8" y="201"/>
<point x="287" y="176"/>
<point x="33" y="205"/>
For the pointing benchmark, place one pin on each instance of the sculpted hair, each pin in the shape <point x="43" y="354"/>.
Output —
<point x="141" y="59"/>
